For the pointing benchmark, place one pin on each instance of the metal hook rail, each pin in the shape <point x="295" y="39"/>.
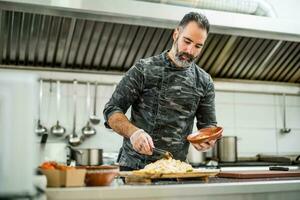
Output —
<point x="83" y="82"/>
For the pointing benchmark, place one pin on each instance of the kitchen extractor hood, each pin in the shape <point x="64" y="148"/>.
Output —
<point x="250" y="7"/>
<point x="97" y="36"/>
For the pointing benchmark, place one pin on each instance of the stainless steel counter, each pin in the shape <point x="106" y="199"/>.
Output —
<point x="216" y="188"/>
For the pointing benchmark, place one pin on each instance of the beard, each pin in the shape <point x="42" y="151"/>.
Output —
<point x="181" y="58"/>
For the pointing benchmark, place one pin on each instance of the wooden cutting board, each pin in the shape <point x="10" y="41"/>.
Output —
<point x="193" y="174"/>
<point x="259" y="174"/>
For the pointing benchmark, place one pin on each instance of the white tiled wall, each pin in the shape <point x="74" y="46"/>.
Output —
<point x="256" y="119"/>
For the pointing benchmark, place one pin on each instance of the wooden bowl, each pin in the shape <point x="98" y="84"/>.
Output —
<point x="100" y="175"/>
<point x="205" y="135"/>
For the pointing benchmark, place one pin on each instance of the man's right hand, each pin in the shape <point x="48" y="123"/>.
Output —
<point x="142" y="142"/>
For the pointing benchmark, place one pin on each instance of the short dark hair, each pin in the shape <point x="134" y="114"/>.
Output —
<point x="199" y="18"/>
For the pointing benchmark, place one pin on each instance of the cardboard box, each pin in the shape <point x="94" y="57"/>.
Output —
<point x="74" y="178"/>
<point x="65" y="178"/>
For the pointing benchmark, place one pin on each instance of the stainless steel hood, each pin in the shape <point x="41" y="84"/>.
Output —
<point x="96" y="36"/>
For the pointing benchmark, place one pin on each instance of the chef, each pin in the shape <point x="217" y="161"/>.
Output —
<point x="166" y="92"/>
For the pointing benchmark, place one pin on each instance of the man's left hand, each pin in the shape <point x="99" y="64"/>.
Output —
<point x="204" y="146"/>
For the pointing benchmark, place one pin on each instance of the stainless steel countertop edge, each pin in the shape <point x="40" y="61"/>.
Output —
<point x="187" y="191"/>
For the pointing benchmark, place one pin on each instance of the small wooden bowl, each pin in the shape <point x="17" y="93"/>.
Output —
<point x="205" y="135"/>
<point x="100" y="175"/>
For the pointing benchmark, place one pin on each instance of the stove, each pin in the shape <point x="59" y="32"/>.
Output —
<point x="253" y="164"/>
<point x="260" y="160"/>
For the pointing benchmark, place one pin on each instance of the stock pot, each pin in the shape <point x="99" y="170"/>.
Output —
<point x="227" y="149"/>
<point x="195" y="157"/>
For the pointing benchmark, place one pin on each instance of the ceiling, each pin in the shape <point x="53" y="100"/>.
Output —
<point x="66" y="43"/>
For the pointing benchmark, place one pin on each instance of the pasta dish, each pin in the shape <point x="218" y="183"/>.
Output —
<point x="167" y="166"/>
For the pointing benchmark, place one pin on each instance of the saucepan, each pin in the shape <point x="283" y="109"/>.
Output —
<point x="86" y="157"/>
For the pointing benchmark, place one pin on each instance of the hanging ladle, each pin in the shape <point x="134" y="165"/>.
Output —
<point x="284" y="129"/>
<point x="88" y="130"/>
<point x="74" y="139"/>
<point x="57" y="129"/>
<point x="40" y="130"/>
<point x="94" y="118"/>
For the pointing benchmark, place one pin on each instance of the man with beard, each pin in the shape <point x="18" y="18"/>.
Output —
<point x="166" y="93"/>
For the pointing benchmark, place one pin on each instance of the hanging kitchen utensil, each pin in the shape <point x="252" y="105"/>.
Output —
<point x="40" y="130"/>
<point x="94" y="118"/>
<point x="88" y="130"/>
<point x="74" y="139"/>
<point x="57" y="129"/>
<point x="284" y="129"/>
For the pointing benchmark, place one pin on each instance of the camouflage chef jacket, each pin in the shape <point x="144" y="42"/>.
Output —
<point x="165" y="100"/>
